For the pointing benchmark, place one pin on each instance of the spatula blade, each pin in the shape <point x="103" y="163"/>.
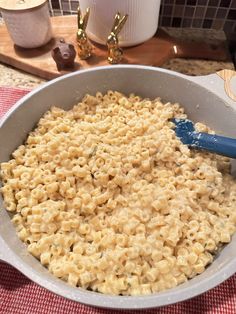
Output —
<point x="184" y="130"/>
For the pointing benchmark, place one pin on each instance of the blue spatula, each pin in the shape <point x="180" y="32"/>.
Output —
<point x="214" y="143"/>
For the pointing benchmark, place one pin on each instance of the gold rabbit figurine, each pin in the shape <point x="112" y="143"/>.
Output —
<point x="115" y="53"/>
<point x="85" y="49"/>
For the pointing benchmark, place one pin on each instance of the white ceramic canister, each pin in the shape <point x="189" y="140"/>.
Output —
<point x="141" y="24"/>
<point x="28" y="22"/>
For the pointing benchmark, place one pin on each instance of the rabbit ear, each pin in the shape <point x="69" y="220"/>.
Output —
<point x="116" y="22"/>
<point x="120" y="25"/>
<point x="85" y="18"/>
<point x="79" y="17"/>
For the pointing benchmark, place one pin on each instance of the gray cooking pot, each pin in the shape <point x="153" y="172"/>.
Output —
<point x="203" y="98"/>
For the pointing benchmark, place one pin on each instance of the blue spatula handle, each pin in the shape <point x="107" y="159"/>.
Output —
<point x="217" y="144"/>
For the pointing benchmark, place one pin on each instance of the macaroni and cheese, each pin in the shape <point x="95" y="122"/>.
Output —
<point x="109" y="199"/>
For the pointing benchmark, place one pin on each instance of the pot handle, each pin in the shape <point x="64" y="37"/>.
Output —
<point x="226" y="90"/>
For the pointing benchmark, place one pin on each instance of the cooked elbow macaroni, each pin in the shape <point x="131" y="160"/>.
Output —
<point x="109" y="199"/>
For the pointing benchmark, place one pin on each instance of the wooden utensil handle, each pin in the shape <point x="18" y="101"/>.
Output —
<point x="227" y="76"/>
<point x="201" y="50"/>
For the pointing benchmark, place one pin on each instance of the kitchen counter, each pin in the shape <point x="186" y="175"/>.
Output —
<point x="16" y="78"/>
<point x="194" y="66"/>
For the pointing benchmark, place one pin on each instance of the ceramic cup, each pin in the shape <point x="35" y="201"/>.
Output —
<point x="141" y="24"/>
<point x="28" y="25"/>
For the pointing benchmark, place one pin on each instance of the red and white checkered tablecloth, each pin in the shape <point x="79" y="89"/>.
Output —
<point x="19" y="295"/>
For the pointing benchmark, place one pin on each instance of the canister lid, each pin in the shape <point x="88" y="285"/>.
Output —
<point x="17" y="5"/>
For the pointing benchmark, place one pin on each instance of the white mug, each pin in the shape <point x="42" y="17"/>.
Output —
<point x="140" y="26"/>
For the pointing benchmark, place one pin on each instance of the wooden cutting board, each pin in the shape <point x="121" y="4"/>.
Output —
<point x="154" y="52"/>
